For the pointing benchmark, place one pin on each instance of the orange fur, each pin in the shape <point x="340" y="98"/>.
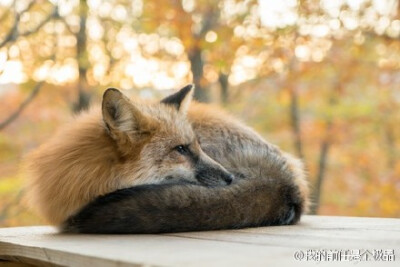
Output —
<point x="97" y="154"/>
<point x="85" y="159"/>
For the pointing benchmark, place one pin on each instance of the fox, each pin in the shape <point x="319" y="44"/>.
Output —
<point x="171" y="166"/>
<point x="119" y="145"/>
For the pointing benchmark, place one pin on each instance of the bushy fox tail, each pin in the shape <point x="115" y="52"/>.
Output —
<point x="187" y="207"/>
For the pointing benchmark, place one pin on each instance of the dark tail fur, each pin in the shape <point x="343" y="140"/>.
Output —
<point x="188" y="207"/>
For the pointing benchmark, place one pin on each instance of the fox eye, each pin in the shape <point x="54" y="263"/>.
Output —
<point x="182" y="149"/>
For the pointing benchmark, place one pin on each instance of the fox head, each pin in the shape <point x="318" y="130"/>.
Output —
<point x="158" y="141"/>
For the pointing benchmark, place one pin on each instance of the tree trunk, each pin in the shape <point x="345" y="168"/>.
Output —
<point x="390" y="146"/>
<point x="196" y="65"/>
<point x="223" y="82"/>
<point x="295" y="119"/>
<point x="323" y="159"/>
<point x="83" y="100"/>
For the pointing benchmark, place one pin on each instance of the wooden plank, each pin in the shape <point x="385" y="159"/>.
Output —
<point x="334" y="232"/>
<point x="136" y="249"/>
<point x="246" y="247"/>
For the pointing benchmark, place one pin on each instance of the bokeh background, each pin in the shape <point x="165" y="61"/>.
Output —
<point x="318" y="78"/>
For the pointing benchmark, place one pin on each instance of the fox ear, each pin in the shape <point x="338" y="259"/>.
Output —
<point x="181" y="99"/>
<point x="122" y="117"/>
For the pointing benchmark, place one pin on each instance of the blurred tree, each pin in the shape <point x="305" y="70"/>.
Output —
<point x="13" y="34"/>
<point x="14" y="115"/>
<point x="345" y="30"/>
<point x="206" y="30"/>
<point x="83" y="100"/>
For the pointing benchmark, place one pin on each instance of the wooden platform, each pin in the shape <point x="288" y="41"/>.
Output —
<point x="313" y="242"/>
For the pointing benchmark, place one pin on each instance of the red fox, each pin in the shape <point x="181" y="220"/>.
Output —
<point x="122" y="145"/>
<point x="163" y="167"/>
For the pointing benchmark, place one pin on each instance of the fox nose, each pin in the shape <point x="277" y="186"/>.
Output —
<point x="229" y="178"/>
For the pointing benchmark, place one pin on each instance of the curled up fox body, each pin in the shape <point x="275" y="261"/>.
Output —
<point x="170" y="166"/>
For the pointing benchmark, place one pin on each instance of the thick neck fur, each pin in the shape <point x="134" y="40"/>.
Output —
<point x="82" y="162"/>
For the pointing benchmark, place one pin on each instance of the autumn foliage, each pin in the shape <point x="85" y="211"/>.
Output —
<point x="318" y="78"/>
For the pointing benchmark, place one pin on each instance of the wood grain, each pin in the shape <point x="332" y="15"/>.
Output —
<point x="263" y="246"/>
